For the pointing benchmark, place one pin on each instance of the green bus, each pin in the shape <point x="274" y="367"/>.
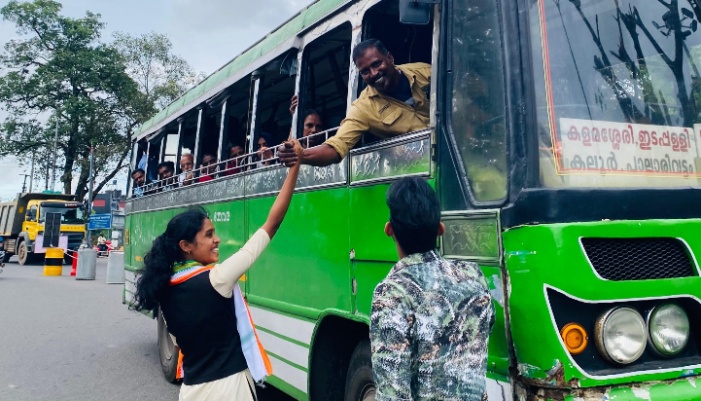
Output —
<point x="564" y="143"/>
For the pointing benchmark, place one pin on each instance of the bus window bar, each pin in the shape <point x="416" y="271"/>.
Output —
<point x="237" y="165"/>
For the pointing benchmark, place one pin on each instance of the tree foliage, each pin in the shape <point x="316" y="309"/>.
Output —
<point x="161" y="75"/>
<point x="91" y="93"/>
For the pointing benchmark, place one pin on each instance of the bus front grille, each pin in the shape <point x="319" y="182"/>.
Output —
<point x="620" y="259"/>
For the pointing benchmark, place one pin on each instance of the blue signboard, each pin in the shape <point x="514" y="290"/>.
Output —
<point x="100" y="222"/>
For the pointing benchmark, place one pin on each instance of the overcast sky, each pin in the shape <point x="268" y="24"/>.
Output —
<point x="207" y="33"/>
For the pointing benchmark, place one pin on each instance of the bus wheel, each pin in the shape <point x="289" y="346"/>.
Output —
<point x="167" y="351"/>
<point x="359" y="383"/>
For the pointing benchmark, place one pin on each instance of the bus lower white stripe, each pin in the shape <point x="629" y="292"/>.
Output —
<point x="285" y="349"/>
<point x="291" y="375"/>
<point x="296" y="329"/>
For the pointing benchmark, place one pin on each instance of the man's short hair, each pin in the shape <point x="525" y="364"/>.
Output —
<point x="138" y="170"/>
<point x="361" y="47"/>
<point x="169" y="165"/>
<point x="415" y="214"/>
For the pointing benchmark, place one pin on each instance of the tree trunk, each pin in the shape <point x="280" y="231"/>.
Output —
<point x="81" y="189"/>
<point x="70" y="152"/>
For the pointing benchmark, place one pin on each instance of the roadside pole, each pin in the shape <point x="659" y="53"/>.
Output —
<point x="92" y="180"/>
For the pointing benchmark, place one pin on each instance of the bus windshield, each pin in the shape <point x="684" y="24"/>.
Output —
<point x="73" y="215"/>
<point x="618" y="90"/>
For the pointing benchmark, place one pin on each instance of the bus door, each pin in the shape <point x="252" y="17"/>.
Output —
<point x="374" y="165"/>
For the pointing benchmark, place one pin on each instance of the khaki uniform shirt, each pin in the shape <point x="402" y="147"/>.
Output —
<point x="384" y="116"/>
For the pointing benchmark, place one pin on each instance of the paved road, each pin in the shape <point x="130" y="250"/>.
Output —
<point x="66" y="339"/>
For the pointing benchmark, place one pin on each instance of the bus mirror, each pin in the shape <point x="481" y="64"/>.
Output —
<point x="416" y="12"/>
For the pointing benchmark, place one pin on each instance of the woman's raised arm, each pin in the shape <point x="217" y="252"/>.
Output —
<point x="282" y="202"/>
<point x="225" y="275"/>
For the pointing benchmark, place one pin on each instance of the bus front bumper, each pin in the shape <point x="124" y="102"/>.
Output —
<point x="685" y="389"/>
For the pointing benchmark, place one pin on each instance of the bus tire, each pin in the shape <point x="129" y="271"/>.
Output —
<point x="360" y="385"/>
<point x="167" y="351"/>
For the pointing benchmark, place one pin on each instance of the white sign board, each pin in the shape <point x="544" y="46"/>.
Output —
<point x="605" y="147"/>
<point x="38" y="248"/>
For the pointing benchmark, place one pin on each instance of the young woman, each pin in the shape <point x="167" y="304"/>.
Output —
<point x="195" y="296"/>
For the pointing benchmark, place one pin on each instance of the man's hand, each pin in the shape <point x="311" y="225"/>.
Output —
<point x="290" y="153"/>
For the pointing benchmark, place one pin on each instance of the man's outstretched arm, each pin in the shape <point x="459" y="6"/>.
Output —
<point x="322" y="155"/>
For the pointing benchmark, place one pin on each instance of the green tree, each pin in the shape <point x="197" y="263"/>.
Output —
<point x="161" y="75"/>
<point x="59" y="68"/>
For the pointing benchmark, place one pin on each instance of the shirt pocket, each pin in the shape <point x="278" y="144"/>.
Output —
<point x="392" y="117"/>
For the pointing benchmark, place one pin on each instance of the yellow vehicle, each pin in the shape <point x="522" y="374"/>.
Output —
<point x="22" y="224"/>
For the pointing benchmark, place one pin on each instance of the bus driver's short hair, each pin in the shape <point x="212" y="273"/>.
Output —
<point x="360" y="48"/>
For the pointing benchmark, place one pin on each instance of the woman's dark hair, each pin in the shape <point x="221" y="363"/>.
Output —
<point x="415" y="214"/>
<point x="165" y="251"/>
<point x="309" y="112"/>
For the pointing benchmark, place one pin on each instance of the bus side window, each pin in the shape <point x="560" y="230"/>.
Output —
<point x="324" y="83"/>
<point x="406" y="43"/>
<point x="272" y="116"/>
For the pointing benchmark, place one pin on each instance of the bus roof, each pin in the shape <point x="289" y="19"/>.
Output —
<point x="210" y="85"/>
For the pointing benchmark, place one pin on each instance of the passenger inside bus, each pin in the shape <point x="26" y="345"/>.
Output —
<point x="208" y="168"/>
<point x="165" y="174"/>
<point x="187" y="165"/>
<point x="140" y="182"/>
<point x="395" y="102"/>
<point x="264" y="153"/>
<point x="233" y="166"/>
<point x="312" y="124"/>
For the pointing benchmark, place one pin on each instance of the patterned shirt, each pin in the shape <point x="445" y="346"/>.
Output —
<point x="429" y="330"/>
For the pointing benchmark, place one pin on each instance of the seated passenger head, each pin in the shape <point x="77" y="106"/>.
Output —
<point x="235" y="151"/>
<point x="139" y="176"/>
<point x="312" y="125"/>
<point x="376" y="65"/>
<point x="265" y="140"/>
<point x="209" y="162"/>
<point x="414" y="216"/>
<point x="187" y="162"/>
<point x="166" y="170"/>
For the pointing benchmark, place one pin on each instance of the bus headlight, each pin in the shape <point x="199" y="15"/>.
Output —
<point x="621" y="335"/>
<point x="669" y="329"/>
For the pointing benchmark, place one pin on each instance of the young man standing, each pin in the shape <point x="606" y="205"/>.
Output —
<point x="431" y="317"/>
